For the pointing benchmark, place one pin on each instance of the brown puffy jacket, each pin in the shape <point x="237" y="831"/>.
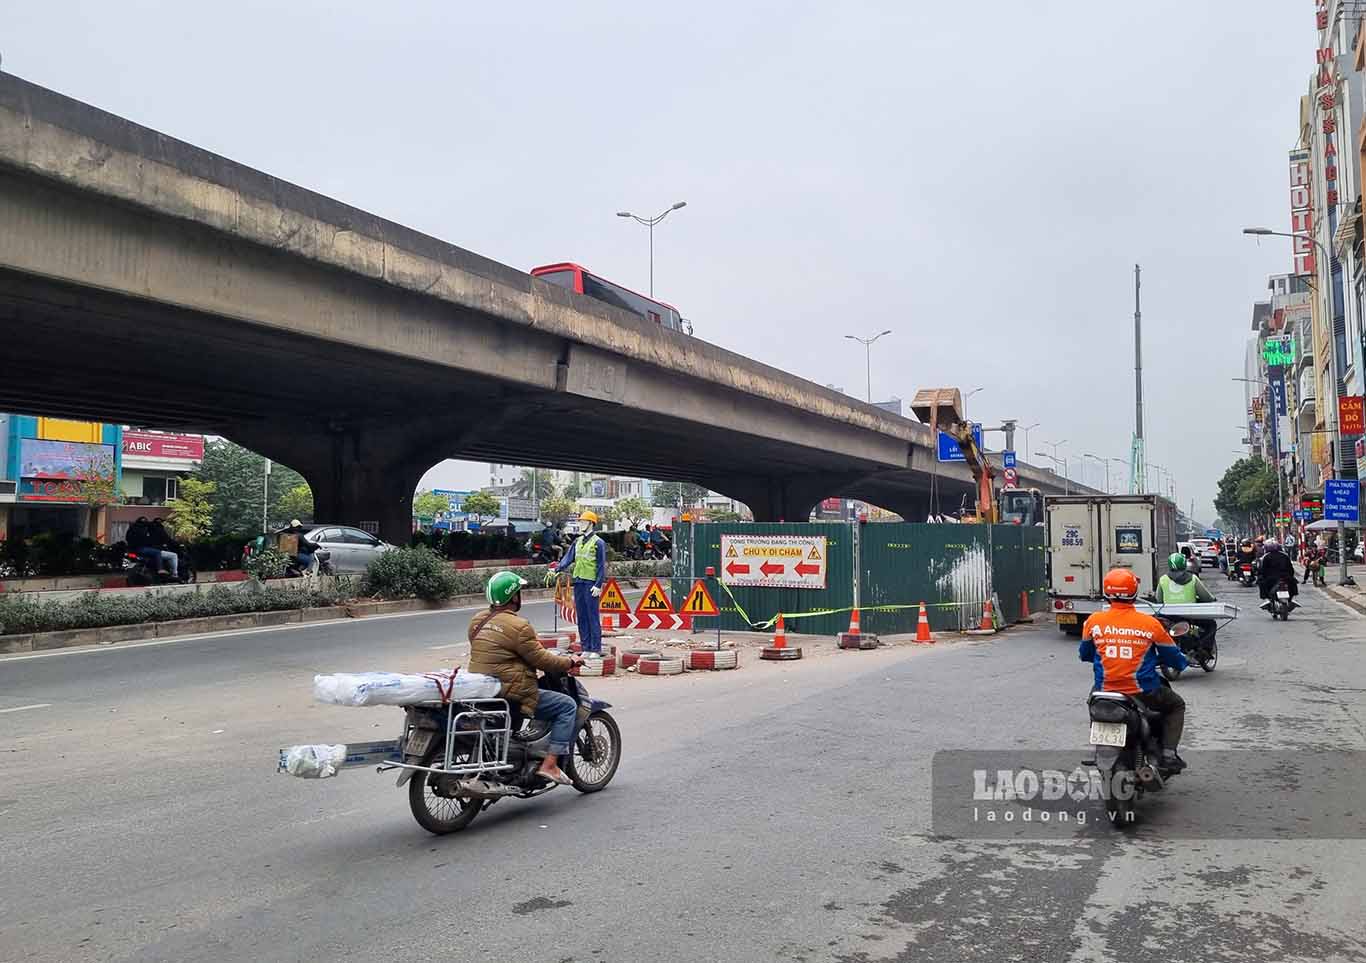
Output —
<point x="505" y="646"/>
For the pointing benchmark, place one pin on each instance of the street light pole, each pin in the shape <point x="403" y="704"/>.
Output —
<point x="650" y="222"/>
<point x="1027" y="429"/>
<point x="1067" y="482"/>
<point x="1106" y="463"/>
<point x="1343" y="577"/>
<point x="868" y="356"/>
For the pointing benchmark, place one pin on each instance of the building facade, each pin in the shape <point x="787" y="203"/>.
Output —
<point x="58" y="475"/>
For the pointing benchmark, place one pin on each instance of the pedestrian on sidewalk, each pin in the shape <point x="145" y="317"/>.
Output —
<point x="586" y="561"/>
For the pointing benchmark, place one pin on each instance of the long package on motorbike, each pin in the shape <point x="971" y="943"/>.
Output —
<point x="400" y="689"/>
<point x="321" y="761"/>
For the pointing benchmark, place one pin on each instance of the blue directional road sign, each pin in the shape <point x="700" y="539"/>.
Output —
<point x="948" y="448"/>
<point x="1007" y="459"/>
<point x="1341" y="500"/>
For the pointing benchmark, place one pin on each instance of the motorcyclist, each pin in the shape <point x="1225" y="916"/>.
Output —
<point x="1247" y="552"/>
<point x="1276" y="568"/>
<point x="1182" y="586"/>
<point x="504" y="645"/>
<point x="660" y="541"/>
<point x="139" y="541"/>
<point x="306" y="548"/>
<point x="1126" y="647"/>
<point x="166" y="545"/>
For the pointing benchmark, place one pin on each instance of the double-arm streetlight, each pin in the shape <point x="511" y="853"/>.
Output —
<point x="868" y="356"/>
<point x="1343" y="577"/>
<point x="1105" y="462"/>
<point x="650" y="222"/>
<point x="1055" y="445"/>
<point x="1027" y="429"/>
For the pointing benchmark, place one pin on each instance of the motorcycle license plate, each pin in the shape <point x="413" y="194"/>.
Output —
<point x="1109" y="734"/>
<point x="1283" y="596"/>
<point x="418" y="741"/>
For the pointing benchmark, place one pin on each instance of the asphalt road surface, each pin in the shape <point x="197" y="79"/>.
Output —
<point x="781" y="812"/>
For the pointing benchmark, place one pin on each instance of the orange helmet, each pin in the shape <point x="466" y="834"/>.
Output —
<point x="1121" y="585"/>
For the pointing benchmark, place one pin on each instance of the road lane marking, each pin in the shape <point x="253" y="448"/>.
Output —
<point x="36" y="705"/>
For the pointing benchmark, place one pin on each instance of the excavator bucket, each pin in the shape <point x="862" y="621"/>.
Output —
<point x="939" y="406"/>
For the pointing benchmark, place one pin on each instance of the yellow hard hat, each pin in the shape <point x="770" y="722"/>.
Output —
<point x="589" y="517"/>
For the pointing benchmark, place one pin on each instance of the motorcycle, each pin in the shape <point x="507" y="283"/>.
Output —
<point x="542" y="554"/>
<point x="1127" y="739"/>
<point x="1281" y="602"/>
<point x="1247" y="573"/>
<point x="459" y="758"/>
<point x="140" y="574"/>
<point x="1197" y="644"/>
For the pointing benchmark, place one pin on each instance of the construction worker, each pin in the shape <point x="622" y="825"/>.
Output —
<point x="1126" y="645"/>
<point x="586" y="561"/>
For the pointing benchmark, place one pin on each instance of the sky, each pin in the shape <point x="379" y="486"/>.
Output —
<point x="979" y="178"/>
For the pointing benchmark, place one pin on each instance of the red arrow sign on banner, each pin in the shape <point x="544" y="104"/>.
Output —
<point x="735" y="568"/>
<point x="804" y="569"/>
<point x="773" y="568"/>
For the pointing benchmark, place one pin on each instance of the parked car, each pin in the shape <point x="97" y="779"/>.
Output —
<point x="350" y="549"/>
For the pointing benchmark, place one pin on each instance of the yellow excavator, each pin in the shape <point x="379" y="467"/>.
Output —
<point x="942" y="410"/>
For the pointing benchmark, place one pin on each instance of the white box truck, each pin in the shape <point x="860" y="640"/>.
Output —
<point x="1088" y="535"/>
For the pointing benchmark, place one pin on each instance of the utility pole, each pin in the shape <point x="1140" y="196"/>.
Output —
<point x="1137" y="481"/>
<point x="265" y="497"/>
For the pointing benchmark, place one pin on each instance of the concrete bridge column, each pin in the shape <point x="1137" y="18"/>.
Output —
<point x="360" y="471"/>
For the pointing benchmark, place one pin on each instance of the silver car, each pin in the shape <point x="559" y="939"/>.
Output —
<point x="350" y="549"/>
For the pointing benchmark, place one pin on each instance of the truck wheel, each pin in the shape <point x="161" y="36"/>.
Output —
<point x="1073" y="630"/>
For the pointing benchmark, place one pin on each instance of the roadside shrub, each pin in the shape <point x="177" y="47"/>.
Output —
<point x="266" y="564"/>
<point x="406" y="573"/>
<point x="19" y="615"/>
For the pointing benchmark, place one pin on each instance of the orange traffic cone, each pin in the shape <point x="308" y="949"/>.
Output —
<point x="854" y="624"/>
<point x="1024" y="607"/>
<point x="988" y="621"/>
<point x="779" y="650"/>
<point x="922" y="626"/>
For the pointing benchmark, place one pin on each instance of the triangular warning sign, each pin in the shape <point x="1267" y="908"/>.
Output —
<point x="611" y="599"/>
<point x="655" y="601"/>
<point x="699" y="601"/>
<point x="815" y="553"/>
<point x="731" y="552"/>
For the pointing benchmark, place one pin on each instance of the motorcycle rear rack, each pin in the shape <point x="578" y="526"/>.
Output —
<point x="488" y="735"/>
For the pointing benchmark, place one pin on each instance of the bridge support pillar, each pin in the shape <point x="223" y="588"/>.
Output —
<point x="361" y="473"/>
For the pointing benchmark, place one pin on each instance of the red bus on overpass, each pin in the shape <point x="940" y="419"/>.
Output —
<point x="582" y="281"/>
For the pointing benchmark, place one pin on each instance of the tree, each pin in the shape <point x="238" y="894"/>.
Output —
<point x="192" y="511"/>
<point x="1247" y="493"/>
<point x="666" y="494"/>
<point x="572" y="492"/>
<point x="98" y="486"/>
<point x="723" y="516"/>
<point x="238" y="475"/>
<point x="607" y="515"/>
<point x="297" y="503"/>
<point x="633" y="511"/>
<point x="533" y="480"/>
<point x="482" y="505"/>
<point x="557" y="508"/>
<point x="428" y="504"/>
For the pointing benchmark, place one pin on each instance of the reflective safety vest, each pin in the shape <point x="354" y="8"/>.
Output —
<point x="1175" y="593"/>
<point x="586" y="558"/>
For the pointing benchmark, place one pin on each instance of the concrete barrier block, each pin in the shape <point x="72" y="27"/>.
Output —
<point x="10" y="644"/>
<point x="127" y="633"/>
<point x="61" y="640"/>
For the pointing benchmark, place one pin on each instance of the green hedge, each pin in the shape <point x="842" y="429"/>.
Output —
<point x="21" y="615"/>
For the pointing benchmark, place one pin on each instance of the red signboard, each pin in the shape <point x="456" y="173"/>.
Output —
<point x="154" y="444"/>
<point x="1350" y="415"/>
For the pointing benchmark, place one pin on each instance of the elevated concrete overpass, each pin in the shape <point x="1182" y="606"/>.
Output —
<point x="145" y="280"/>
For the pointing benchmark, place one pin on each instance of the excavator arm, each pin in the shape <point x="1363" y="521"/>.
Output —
<point x="981" y="469"/>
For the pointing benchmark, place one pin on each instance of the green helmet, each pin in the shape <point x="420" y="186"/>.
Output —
<point x="502" y="587"/>
<point x="1176" y="562"/>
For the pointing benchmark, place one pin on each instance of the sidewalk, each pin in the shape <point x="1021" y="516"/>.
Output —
<point x="1353" y="596"/>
